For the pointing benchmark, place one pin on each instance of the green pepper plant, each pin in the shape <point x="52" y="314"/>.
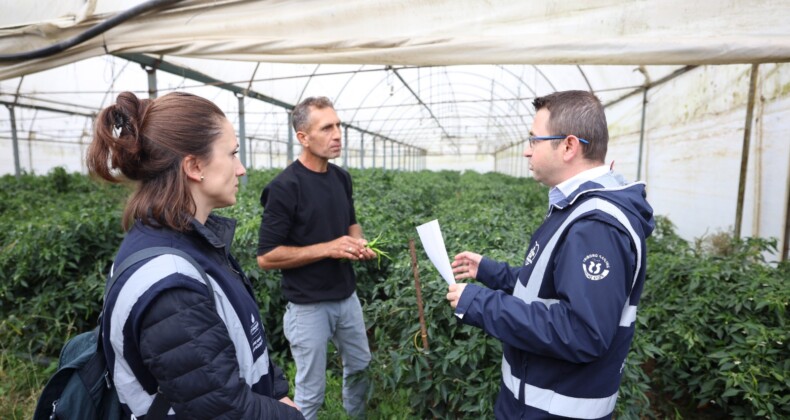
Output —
<point x="374" y="246"/>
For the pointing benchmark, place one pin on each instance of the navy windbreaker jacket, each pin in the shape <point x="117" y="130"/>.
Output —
<point x="566" y="317"/>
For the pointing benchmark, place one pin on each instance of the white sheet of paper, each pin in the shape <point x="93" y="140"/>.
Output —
<point x="432" y="241"/>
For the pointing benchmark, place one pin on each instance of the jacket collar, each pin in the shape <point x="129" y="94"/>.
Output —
<point x="608" y="181"/>
<point x="218" y="231"/>
<point x="566" y="188"/>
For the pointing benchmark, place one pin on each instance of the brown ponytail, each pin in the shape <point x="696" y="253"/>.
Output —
<point x="145" y="141"/>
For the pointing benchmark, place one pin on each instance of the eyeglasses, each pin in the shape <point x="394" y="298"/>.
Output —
<point x="535" y="139"/>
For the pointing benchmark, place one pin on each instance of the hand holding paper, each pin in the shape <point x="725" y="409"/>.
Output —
<point x="432" y="241"/>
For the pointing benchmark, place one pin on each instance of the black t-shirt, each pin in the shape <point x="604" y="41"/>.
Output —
<point x="300" y="208"/>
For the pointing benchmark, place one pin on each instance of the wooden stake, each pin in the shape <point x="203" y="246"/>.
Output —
<point x="423" y="330"/>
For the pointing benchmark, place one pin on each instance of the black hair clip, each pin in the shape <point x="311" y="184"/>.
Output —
<point x="120" y="119"/>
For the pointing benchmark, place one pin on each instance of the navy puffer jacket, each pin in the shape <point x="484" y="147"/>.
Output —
<point x="161" y="331"/>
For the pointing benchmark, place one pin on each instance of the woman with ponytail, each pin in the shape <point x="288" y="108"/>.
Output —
<point x="164" y="332"/>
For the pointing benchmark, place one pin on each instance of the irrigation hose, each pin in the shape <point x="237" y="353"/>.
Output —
<point x="417" y="346"/>
<point x="90" y="33"/>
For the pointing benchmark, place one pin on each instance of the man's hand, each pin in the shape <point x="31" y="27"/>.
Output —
<point x="350" y="248"/>
<point x="466" y="264"/>
<point x="454" y="293"/>
<point x="286" y="400"/>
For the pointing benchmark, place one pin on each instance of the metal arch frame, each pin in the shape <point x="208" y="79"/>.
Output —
<point x="520" y="79"/>
<point x="307" y="83"/>
<point x="379" y="107"/>
<point x="514" y="123"/>
<point x="409" y="109"/>
<point x="540" y="72"/>
<point x="585" y="78"/>
<point x="416" y="96"/>
<point x="509" y="129"/>
<point x="48" y="109"/>
<point x="413" y="118"/>
<point x="448" y="75"/>
<point x="635" y="91"/>
<point x="415" y="136"/>
<point x="195" y="75"/>
<point x="453" y="103"/>
<point x="514" y="94"/>
<point x="298" y="76"/>
<point x="348" y="82"/>
<point x="364" y="99"/>
<point x="650" y="85"/>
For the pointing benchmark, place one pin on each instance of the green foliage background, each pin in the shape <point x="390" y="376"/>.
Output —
<point x="712" y="326"/>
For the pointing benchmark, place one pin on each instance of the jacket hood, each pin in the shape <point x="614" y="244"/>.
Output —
<point x="631" y="197"/>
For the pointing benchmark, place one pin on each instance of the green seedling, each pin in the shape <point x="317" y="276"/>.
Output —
<point x="374" y="246"/>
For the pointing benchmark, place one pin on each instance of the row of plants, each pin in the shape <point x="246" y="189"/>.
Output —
<point x="711" y="335"/>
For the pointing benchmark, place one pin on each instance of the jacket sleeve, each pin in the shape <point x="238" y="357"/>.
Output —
<point x="581" y="324"/>
<point x="497" y="275"/>
<point x="187" y="348"/>
<point x="280" y="383"/>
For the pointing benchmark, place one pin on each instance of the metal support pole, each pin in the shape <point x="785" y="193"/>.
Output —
<point x="747" y="134"/>
<point x="242" y="138"/>
<point x="513" y="162"/>
<point x="384" y="155"/>
<point x="271" y="155"/>
<point x="152" y="90"/>
<point x="345" y="149"/>
<point x="362" y="150"/>
<point x="786" y="241"/>
<point x="641" y="136"/>
<point x="290" y="151"/>
<point x="374" y="152"/>
<point x="14" y="141"/>
<point x="392" y="155"/>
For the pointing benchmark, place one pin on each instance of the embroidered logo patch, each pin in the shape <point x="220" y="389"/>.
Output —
<point x="532" y="253"/>
<point x="255" y="334"/>
<point x="595" y="267"/>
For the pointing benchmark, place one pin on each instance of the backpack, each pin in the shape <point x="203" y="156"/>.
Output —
<point x="81" y="388"/>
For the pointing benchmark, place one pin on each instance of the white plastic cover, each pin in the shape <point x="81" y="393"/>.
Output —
<point x="439" y="32"/>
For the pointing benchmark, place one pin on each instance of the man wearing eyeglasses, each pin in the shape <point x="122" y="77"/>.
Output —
<point x="566" y="316"/>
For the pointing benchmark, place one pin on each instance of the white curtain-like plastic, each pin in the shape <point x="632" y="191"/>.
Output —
<point x="439" y="32"/>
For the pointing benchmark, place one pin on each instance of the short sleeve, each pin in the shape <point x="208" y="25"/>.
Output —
<point x="279" y="205"/>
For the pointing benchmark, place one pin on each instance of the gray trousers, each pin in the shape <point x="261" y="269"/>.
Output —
<point x="308" y="328"/>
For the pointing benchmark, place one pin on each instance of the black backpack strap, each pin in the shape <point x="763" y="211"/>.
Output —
<point x="159" y="408"/>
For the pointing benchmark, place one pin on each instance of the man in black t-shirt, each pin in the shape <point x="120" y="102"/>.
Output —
<point x="310" y="232"/>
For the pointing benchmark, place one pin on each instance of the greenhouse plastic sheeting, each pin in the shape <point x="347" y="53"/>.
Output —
<point x="442" y="32"/>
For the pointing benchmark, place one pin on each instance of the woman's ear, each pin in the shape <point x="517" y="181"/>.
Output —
<point x="192" y="168"/>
